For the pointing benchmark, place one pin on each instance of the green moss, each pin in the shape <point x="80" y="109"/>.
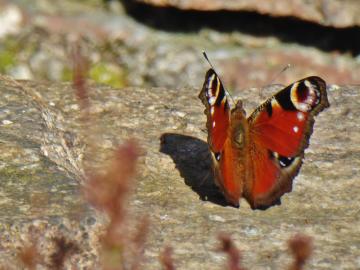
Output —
<point x="108" y="74"/>
<point x="8" y="52"/>
<point x="67" y="74"/>
<point x="7" y="60"/>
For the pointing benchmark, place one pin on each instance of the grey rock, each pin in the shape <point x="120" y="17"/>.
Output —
<point x="43" y="145"/>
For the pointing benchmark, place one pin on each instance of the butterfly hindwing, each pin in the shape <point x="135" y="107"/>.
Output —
<point x="280" y="130"/>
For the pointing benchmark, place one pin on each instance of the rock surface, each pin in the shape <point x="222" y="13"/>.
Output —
<point x="337" y="13"/>
<point x="42" y="146"/>
<point x="124" y="48"/>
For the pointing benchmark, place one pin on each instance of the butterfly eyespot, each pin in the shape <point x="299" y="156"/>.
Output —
<point x="217" y="156"/>
<point x="305" y="96"/>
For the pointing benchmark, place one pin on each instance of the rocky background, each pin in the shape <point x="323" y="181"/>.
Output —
<point x="145" y="69"/>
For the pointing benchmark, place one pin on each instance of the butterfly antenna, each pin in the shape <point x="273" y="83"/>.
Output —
<point x="226" y="91"/>
<point x="207" y="59"/>
<point x="279" y="73"/>
<point x="274" y="78"/>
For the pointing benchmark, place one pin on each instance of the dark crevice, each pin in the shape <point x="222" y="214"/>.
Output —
<point x="287" y="29"/>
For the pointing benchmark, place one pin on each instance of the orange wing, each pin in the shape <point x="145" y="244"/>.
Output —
<point x="226" y="159"/>
<point x="279" y="132"/>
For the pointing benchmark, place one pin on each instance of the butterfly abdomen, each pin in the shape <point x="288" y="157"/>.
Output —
<point x="232" y="162"/>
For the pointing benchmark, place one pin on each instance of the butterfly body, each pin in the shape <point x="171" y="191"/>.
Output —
<point x="258" y="157"/>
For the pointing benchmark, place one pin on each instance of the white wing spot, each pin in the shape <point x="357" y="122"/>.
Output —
<point x="212" y="100"/>
<point x="303" y="107"/>
<point x="308" y="84"/>
<point x="213" y="124"/>
<point x="300" y="116"/>
<point x="296" y="129"/>
<point x="212" y="110"/>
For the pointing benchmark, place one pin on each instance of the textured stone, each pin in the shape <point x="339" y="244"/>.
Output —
<point x="41" y="152"/>
<point x="337" y="13"/>
<point x="247" y="51"/>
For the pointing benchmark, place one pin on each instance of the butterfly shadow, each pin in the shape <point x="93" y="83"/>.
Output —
<point x="192" y="158"/>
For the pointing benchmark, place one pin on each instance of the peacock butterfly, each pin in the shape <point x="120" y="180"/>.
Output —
<point x="258" y="157"/>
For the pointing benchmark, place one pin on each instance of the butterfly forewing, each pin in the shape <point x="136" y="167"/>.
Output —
<point x="217" y="109"/>
<point x="226" y="162"/>
<point x="284" y="122"/>
<point x="281" y="128"/>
